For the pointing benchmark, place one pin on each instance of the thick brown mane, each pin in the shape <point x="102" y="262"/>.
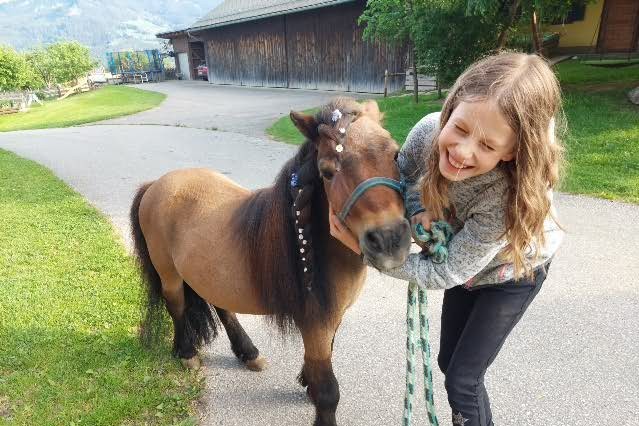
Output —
<point x="266" y="229"/>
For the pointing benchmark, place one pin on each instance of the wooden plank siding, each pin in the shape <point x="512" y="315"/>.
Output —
<point x="317" y="49"/>
<point x="619" y="26"/>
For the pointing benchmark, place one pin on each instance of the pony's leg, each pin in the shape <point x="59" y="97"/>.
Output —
<point x="317" y="374"/>
<point x="193" y="321"/>
<point x="241" y="343"/>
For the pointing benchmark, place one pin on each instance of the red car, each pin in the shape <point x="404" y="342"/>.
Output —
<point x="203" y="72"/>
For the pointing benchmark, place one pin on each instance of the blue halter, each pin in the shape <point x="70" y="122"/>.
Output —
<point x="400" y="187"/>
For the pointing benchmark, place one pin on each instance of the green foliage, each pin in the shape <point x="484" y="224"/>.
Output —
<point x="448" y="39"/>
<point x="448" y="35"/>
<point x="388" y="20"/>
<point x="61" y="63"/>
<point x="69" y="61"/>
<point x="14" y="71"/>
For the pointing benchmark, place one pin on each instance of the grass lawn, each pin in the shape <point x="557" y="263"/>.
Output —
<point x="70" y="302"/>
<point x="603" y="139"/>
<point x="101" y="104"/>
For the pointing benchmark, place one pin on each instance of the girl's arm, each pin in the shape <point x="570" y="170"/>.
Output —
<point x="470" y="250"/>
<point x="412" y="160"/>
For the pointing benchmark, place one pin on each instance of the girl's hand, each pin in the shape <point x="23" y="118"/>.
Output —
<point x="425" y="219"/>
<point x="340" y="232"/>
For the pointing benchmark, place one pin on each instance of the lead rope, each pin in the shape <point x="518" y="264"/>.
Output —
<point x="437" y="240"/>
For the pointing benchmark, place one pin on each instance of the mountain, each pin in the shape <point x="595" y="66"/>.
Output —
<point x="102" y="25"/>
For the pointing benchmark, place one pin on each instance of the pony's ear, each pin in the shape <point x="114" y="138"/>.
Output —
<point x="305" y="123"/>
<point x="371" y="110"/>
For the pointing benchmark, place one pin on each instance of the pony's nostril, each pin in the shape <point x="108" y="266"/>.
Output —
<point x="373" y="240"/>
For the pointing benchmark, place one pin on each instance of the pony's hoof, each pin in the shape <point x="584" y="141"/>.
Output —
<point x="192" y="363"/>
<point x="258" y="364"/>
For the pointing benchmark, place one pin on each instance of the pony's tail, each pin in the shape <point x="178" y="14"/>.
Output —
<point x="199" y="326"/>
<point x="151" y="329"/>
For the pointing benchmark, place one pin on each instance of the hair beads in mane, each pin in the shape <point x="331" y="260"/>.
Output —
<point x="307" y="177"/>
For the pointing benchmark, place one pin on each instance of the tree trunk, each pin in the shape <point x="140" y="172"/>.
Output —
<point x="535" y="34"/>
<point x="501" y="41"/>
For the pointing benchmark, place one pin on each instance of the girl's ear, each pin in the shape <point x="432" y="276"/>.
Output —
<point x="305" y="123"/>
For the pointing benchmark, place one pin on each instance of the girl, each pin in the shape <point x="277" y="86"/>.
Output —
<point x="487" y="164"/>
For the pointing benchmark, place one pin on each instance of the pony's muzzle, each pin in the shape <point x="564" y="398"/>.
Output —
<point x="387" y="246"/>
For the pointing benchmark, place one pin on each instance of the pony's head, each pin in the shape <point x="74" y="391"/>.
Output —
<point x="352" y="147"/>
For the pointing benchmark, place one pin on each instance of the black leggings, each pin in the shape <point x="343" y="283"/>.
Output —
<point x="475" y="324"/>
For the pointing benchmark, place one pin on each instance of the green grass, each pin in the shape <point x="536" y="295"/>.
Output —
<point x="602" y="142"/>
<point x="101" y="104"/>
<point x="612" y="62"/>
<point x="602" y="145"/>
<point x="70" y="300"/>
<point x="573" y="73"/>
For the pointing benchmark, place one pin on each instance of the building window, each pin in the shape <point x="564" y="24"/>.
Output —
<point x="577" y="12"/>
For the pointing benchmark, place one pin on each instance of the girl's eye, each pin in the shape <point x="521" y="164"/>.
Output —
<point x="488" y="147"/>
<point x="460" y="129"/>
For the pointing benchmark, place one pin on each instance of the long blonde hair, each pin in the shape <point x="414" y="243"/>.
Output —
<point x="528" y="95"/>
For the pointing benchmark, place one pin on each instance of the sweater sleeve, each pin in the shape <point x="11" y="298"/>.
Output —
<point x="470" y="250"/>
<point x="412" y="160"/>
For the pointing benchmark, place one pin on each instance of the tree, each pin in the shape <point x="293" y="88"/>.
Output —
<point x="41" y="63"/>
<point x="448" y="35"/>
<point x="514" y="13"/>
<point x="449" y="39"/>
<point x="391" y="21"/>
<point x="69" y="61"/>
<point x="61" y="62"/>
<point x="445" y="38"/>
<point x="14" y="71"/>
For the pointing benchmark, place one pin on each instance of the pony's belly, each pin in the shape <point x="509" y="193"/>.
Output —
<point x="213" y="265"/>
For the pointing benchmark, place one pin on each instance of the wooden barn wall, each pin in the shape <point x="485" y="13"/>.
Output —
<point x="326" y="51"/>
<point x="248" y="55"/>
<point x="318" y="49"/>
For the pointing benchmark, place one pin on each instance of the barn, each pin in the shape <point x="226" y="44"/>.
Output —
<point x="301" y="44"/>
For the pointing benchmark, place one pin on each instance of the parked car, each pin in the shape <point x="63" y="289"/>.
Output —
<point x="203" y="72"/>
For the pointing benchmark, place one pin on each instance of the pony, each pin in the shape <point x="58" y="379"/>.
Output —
<point x="210" y="248"/>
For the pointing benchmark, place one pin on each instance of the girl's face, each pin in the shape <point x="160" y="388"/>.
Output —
<point x="474" y="140"/>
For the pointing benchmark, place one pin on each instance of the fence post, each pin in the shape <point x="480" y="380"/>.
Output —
<point x="386" y="83"/>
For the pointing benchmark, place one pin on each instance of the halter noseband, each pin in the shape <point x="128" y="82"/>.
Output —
<point x="365" y="186"/>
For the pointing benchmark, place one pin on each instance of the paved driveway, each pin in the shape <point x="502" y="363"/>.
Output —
<point x="573" y="360"/>
<point x="227" y="108"/>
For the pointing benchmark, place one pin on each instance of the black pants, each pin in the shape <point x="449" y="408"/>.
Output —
<point x="475" y="324"/>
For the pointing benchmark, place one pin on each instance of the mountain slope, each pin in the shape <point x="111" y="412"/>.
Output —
<point x="101" y="25"/>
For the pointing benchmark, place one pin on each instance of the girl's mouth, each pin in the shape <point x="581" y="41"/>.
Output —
<point x="456" y="164"/>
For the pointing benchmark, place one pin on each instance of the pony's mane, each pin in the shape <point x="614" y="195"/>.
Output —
<point x="266" y="227"/>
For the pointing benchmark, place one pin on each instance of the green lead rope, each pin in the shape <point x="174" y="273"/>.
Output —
<point x="437" y="248"/>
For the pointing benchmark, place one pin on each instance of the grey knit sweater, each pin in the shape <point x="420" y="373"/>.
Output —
<point x="480" y="204"/>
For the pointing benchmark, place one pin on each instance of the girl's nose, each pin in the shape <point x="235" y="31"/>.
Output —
<point x="464" y="151"/>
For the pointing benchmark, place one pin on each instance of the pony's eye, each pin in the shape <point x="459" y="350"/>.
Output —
<point x="396" y="155"/>
<point x="327" y="174"/>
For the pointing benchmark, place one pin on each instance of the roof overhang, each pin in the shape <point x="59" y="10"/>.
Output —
<point x="171" y="34"/>
<point x="266" y="14"/>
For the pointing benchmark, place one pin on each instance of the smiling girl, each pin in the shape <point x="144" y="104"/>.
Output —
<point x="487" y="164"/>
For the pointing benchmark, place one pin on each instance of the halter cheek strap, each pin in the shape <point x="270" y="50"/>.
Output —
<point x="365" y="186"/>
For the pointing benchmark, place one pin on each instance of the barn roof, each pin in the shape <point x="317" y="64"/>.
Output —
<point x="236" y="11"/>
